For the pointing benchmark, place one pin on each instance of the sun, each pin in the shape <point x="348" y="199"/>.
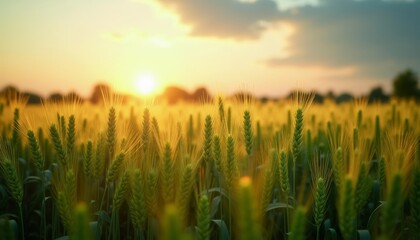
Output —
<point x="145" y="84"/>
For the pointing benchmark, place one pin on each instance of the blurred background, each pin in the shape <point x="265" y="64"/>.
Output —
<point x="195" y="49"/>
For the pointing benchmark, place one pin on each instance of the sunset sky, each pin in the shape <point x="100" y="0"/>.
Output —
<point x="264" y="46"/>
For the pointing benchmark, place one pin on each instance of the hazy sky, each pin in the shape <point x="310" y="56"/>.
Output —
<point x="264" y="46"/>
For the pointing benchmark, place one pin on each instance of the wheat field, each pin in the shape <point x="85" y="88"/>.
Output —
<point x="217" y="170"/>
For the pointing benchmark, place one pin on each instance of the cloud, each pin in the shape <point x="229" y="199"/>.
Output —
<point x="224" y="18"/>
<point x="380" y="37"/>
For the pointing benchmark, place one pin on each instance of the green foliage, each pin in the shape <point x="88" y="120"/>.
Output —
<point x="405" y="84"/>
<point x="354" y="173"/>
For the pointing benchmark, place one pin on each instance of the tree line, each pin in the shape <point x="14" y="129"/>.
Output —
<point x="404" y="85"/>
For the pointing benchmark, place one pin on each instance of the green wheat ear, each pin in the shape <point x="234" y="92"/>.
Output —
<point x="35" y="151"/>
<point x="120" y="191"/>
<point x="190" y="130"/>
<point x="415" y="204"/>
<point x="359" y="119"/>
<point x="71" y="188"/>
<point x="217" y="153"/>
<point x="151" y="193"/>
<point x="114" y="168"/>
<point x="297" y="144"/>
<point x="284" y="169"/>
<point x="338" y="168"/>
<point x="63" y="129"/>
<point x="355" y="138"/>
<point x="221" y="110"/>
<point x="363" y="188"/>
<point x="88" y="160"/>
<point x="13" y="182"/>
<point x="71" y="135"/>
<point x="377" y="139"/>
<point x="62" y="156"/>
<point x="168" y="175"/>
<point x="145" y="137"/>
<point x="81" y="229"/>
<point x="267" y="194"/>
<point x="99" y="163"/>
<point x="393" y="206"/>
<point x="275" y="168"/>
<point x="229" y="120"/>
<point x="155" y="138"/>
<point x="297" y="134"/>
<point x="347" y="213"/>
<point x="249" y="228"/>
<point x="248" y="134"/>
<point x="321" y="198"/>
<point x="111" y="134"/>
<point x="382" y="174"/>
<point x="298" y="225"/>
<point x="208" y="137"/>
<point x="137" y="203"/>
<point x="258" y="138"/>
<point x="185" y="190"/>
<point x="16" y="129"/>
<point x="64" y="210"/>
<point x="231" y="171"/>
<point x="203" y="219"/>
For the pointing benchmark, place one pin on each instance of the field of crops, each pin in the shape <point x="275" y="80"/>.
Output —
<point x="221" y="170"/>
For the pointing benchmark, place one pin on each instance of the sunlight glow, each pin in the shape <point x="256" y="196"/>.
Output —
<point x="145" y="84"/>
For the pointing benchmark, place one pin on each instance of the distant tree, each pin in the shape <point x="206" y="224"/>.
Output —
<point x="33" y="98"/>
<point x="405" y="84"/>
<point x="330" y="95"/>
<point x="243" y="97"/>
<point x="73" y="97"/>
<point x="344" y="97"/>
<point x="10" y="93"/>
<point x="99" y="91"/>
<point x="174" y="94"/>
<point x="55" y="97"/>
<point x="318" y="98"/>
<point x="377" y="95"/>
<point x="201" y="95"/>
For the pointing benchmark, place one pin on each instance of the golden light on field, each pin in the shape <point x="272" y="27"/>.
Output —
<point x="146" y="84"/>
